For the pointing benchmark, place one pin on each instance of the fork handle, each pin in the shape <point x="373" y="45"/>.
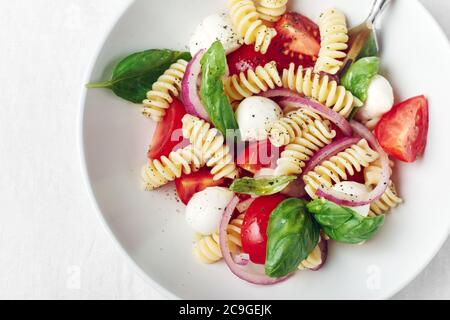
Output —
<point x="377" y="8"/>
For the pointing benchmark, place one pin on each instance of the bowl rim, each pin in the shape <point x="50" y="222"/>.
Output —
<point x="86" y="178"/>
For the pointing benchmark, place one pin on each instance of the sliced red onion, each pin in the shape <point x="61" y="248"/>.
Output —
<point x="189" y="88"/>
<point x="329" y="151"/>
<point x="295" y="189"/>
<point x="325" y="112"/>
<point x="286" y="93"/>
<point x="244" y="205"/>
<point x="343" y="199"/>
<point x="332" y="77"/>
<point x="242" y="259"/>
<point x="323" y="246"/>
<point x="239" y="271"/>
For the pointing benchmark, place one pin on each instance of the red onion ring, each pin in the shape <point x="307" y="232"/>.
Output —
<point x="329" y="151"/>
<point x="346" y="200"/>
<point x="332" y="77"/>
<point x="325" y="112"/>
<point x="240" y="272"/>
<point x="189" y="88"/>
<point x="242" y="259"/>
<point x="295" y="189"/>
<point x="275" y="93"/>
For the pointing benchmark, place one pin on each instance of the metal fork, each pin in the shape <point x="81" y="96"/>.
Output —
<point x="363" y="38"/>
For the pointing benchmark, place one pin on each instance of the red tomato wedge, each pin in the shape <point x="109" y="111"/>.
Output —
<point x="403" y="131"/>
<point x="300" y="34"/>
<point x="254" y="227"/>
<point x="188" y="185"/>
<point x="280" y="52"/>
<point x="163" y="144"/>
<point x="258" y="155"/>
<point x="298" y="42"/>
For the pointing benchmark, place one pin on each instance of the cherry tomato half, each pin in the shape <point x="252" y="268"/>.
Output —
<point x="254" y="228"/>
<point x="163" y="144"/>
<point x="188" y="185"/>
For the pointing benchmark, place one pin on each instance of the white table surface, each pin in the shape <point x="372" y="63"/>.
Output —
<point x="52" y="245"/>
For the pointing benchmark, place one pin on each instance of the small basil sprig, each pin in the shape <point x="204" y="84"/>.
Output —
<point x="292" y="234"/>
<point x="214" y="66"/>
<point x="261" y="187"/>
<point x="344" y="224"/>
<point x="358" y="77"/>
<point x="134" y="76"/>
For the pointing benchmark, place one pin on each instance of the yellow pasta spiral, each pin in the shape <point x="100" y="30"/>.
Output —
<point x="390" y="198"/>
<point x="244" y="85"/>
<point x="320" y="87"/>
<point x="215" y="153"/>
<point x="271" y="10"/>
<point x="297" y="123"/>
<point x="160" y="172"/>
<point x="295" y="156"/>
<point x="168" y="85"/>
<point x="339" y="167"/>
<point x="386" y="203"/>
<point x="248" y="24"/>
<point x="372" y="174"/>
<point x="334" y="38"/>
<point x="313" y="261"/>
<point x="207" y="249"/>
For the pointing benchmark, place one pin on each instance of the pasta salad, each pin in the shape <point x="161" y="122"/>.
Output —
<point x="276" y="135"/>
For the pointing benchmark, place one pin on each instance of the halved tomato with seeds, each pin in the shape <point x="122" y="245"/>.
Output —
<point x="300" y="34"/>
<point x="297" y="41"/>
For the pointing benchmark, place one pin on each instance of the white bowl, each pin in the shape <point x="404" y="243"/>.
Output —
<point x="150" y="227"/>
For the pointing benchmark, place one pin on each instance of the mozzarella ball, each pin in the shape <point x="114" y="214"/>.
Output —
<point x="215" y="27"/>
<point x="380" y="99"/>
<point x="205" y="210"/>
<point x="253" y="115"/>
<point x="356" y="190"/>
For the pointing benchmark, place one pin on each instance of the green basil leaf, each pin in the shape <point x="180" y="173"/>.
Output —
<point x="261" y="187"/>
<point x="214" y="66"/>
<point x="329" y="214"/>
<point x="359" y="76"/>
<point x="344" y="224"/>
<point x="292" y="234"/>
<point x="134" y="76"/>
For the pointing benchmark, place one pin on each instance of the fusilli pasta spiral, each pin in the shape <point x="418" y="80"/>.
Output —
<point x="160" y="172"/>
<point x="390" y="198"/>
<point x="271" y="10"/>
<point x="321" y="88"/>
<point x="339" y="167"/>
<point x="305" y="134"/>
<point x="215" y="153"/>
<point x="334" y="38"/>
<point x="168" y="85"/>
<point x="313" y="261"/>
<point x="284" y="131"/>
<point x="248" y="24"/>
<point x="207" y="249"/>
<point x="238" y="87"/>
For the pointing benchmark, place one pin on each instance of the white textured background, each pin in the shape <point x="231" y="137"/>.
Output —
<point x="52" y="245"/>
